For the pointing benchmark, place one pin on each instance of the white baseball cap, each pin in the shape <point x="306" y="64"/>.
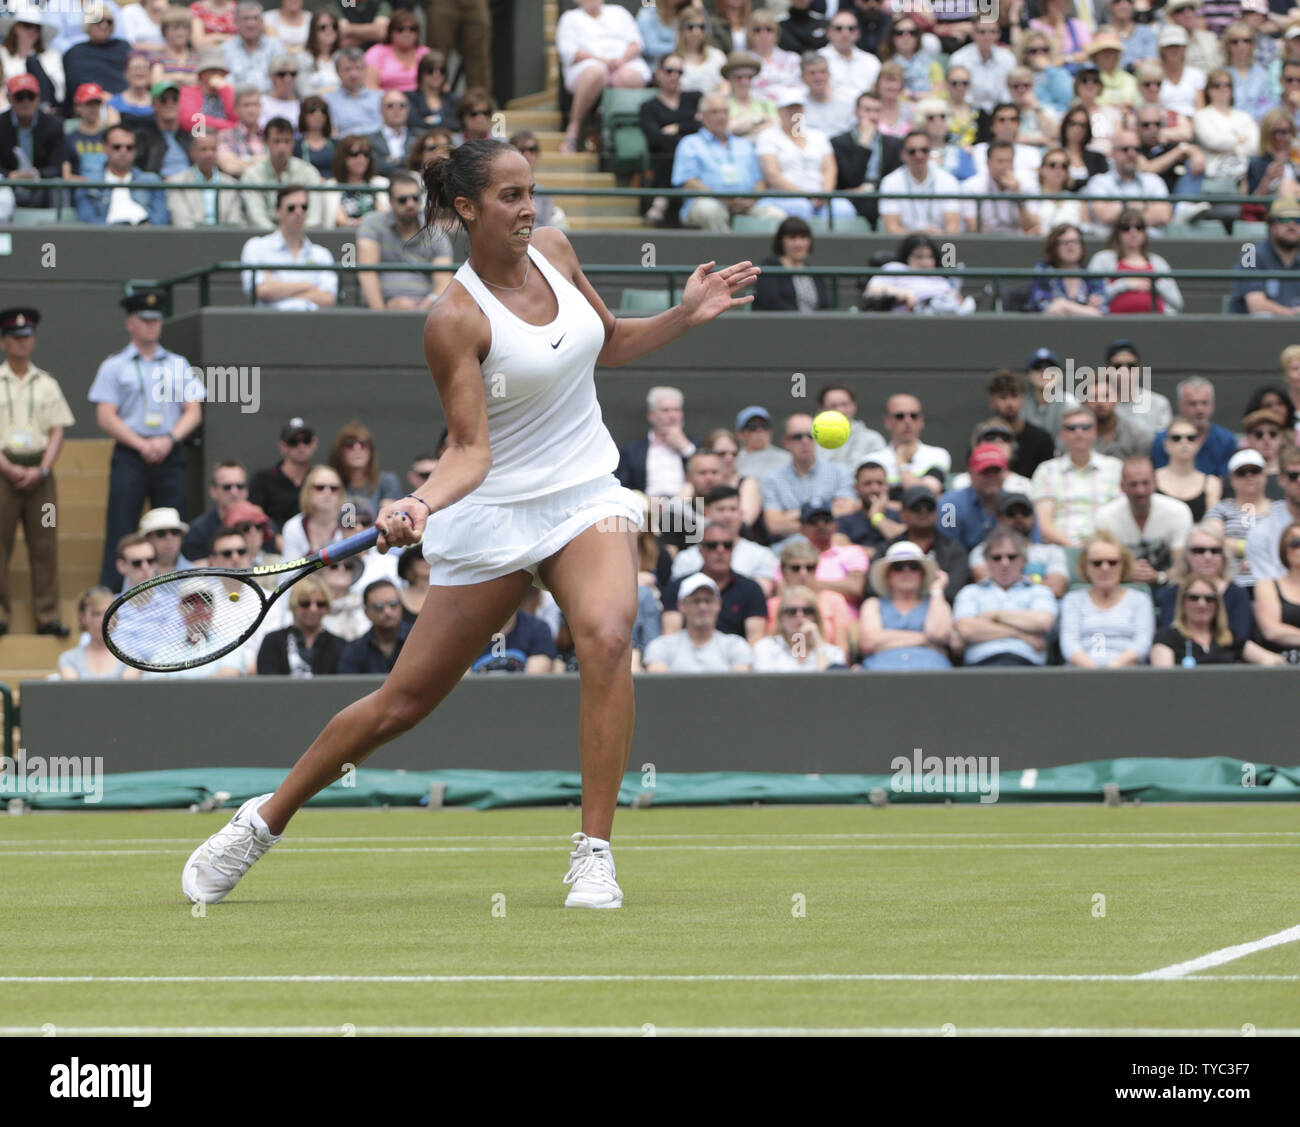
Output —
<point x="693" y="583"/>
<point x="1246" y="458"/>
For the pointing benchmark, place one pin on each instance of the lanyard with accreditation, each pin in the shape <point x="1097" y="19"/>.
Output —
<point x="21" y="440"/>
<point x="152" y="419"/>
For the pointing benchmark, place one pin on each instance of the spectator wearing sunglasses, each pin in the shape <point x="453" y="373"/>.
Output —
<point x="377" y="650"/>
<point x="280" y="166"/>
<point x="276" y="489"/>
<point x="394" y="63"/>
<point x="315" y="142"/>
<point x="548" y="215"/>
<point x="920" y="515"/>
<point x="1274" y="297"/>
<point x="1196" y="402"/>
<point x="130" y="204"/>
<point x="798" y="642"/>
<point x="1208" y="558"/>
<point x="917" y="177"/>
<point x="305" y="649"/>
<point x="1070" y="489"/>
<point x="430" y="102"/>
<point x="907" y="624"/>
<point x="799" y="561"/>
<point x="1124" y="260"/>
<point x="1198" y="633"/>
<point x="282" y="100"/>
<point x="1006" y="618"/>
<point x="393" y="142"/>
<point x="227" y="486"/>
<point x="1105" y="624"/>
<point x="298" y="290"/>
<point x="742" y="606"/>
<point x="319" y="521"/>
<point x="1234" y="516"/>
<point x="1264" y="537"/>
<point x="1045" y="563"/>
<point x="1179" y="478"/>
<point x="722" y="509"/>
<point x="1110" y="194"/>
<point x="1277" y="600"/>
<point x="907" y="460"/>
<point x="354" y="459"/>
<point x="392" y="237"/>
<point x="1265" y="432"/>
<point x="347" y="614"/>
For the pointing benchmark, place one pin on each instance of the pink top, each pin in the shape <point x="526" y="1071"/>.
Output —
<point x="392" y="75"/>
<point x="839" y="561"/>
<point x="215" y="23"/>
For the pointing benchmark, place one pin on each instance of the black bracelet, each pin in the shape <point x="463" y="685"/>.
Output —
<point x="422" y="502"/>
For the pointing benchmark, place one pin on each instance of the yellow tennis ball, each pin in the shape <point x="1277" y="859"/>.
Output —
<point x="234" y="596"/>
<point x="830" y="429"/>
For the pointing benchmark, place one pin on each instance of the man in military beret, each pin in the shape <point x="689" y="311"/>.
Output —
<point x="148" y="401"/>
<point x="33" y="414"/>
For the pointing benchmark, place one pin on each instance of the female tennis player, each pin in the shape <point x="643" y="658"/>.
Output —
<point x="525" y="492"/>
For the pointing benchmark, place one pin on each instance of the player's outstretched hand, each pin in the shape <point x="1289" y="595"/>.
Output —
<point x="709" y="295"/>
<point x="400" y="524"/>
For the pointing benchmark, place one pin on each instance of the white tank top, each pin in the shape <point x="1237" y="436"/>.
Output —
<point x="544" y="422"/>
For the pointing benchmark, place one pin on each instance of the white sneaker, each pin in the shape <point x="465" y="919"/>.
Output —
<point x="595" y="883"/>
<point x="215" y="867"/>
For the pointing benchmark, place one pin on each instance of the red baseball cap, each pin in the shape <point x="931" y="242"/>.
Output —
<point x="986" y="456"/>
<point x="89" y="92"/>
<point x="23" y="82"/>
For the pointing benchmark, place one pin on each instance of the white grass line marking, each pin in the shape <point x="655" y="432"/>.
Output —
<point x="772" y="848"/>
<point x="676" y="837"/>
<point x="610" y="1031"/>
<point x="1225" y="955"/>
<point x="81" y="980"/>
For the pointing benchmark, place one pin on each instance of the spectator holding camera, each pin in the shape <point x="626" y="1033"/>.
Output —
<point x="1153" y="528"/>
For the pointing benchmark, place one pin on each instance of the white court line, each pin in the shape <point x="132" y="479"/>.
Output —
<point x="82" y="980"/>
<point x="687" y="848"/>
<point x="676" y="837"/>
<point x="611" y="1031"/>
<point x="1225" y="955"/>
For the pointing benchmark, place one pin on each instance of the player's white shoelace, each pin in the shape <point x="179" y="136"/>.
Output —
<point x="589" y="867"/>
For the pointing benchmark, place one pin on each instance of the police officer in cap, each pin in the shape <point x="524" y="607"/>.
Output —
<point x="148" y="401"/>
<point x="33" y="414"/>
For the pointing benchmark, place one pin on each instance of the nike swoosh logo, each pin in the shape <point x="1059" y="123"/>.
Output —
<point x="556" y="343"/>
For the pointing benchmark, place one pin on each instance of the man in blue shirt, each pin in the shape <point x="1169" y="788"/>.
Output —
<point x="715" y="160"/>
<point x="354" y="107"/>
<point x="147" y="400"/>
<point x="377" y="649"/>
<point x="101" y="58"/>
<point x="1218" y="444"/>
<point x="806" y="478"/>
<point x="1005" y="619"/>
<point x="970" y="514"/>
<point x="523" y="645"/>
<point x="1279" y="297"/>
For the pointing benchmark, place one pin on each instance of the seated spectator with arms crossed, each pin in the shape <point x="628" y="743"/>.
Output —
<point x="1005" y="619"/>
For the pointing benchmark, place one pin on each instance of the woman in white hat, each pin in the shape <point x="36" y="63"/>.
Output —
<point x="1118" y="87"/>
<point x="1235" y="516"/>
<point x="25" y="40"/>
<point x="908" y="624"/>
<point x="797" y="644"/>
<point x="1183" y="86"/>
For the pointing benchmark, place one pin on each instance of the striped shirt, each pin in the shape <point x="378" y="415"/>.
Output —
<point x="1077" y="492"/>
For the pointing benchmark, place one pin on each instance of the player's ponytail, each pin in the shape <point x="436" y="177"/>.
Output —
<point x="465" y="171"/>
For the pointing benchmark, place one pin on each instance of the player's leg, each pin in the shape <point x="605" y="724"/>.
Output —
<point x="593" y="579"/>
<point x="453" y="627"/>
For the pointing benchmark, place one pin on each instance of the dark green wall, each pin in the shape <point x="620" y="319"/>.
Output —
<point x="832" y="722"/>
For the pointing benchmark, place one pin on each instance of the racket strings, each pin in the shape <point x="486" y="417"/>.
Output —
<point x="183" y="621"/>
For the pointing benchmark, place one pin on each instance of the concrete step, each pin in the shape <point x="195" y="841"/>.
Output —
<point x="597" y="205"/>
<point x="21" y="621"/>
<point x="534" y="119"/>
<point x="556" y="179"/>
<point x="77" y="553"/>
<point x="32" y="651"/>
<point x="543" y="99"/>
<point x="605" y="223"/>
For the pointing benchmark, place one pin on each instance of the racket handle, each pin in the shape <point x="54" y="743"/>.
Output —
<point x="352" y="546"/>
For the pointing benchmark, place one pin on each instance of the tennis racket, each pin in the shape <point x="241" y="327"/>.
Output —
<point x="188" y="618"/>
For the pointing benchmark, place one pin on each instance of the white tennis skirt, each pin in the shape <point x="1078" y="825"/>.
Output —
<point x="470" y="542"/>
